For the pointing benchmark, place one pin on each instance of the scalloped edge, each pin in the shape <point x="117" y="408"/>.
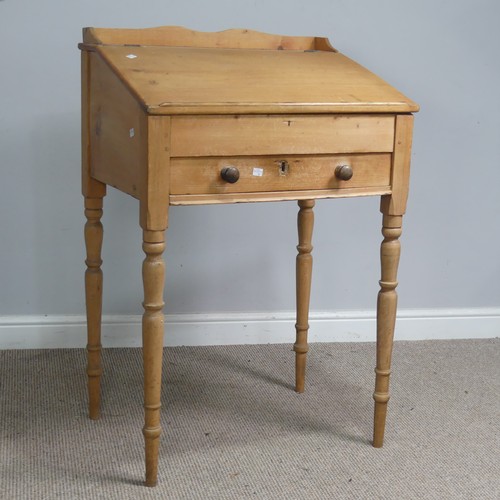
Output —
<point x="178" y="36"/>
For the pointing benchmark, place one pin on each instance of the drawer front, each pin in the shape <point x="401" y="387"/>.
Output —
<point x="191" y="176"/>
<point x="235" y="135"/>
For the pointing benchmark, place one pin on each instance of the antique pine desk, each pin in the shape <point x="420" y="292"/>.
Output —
<point x="178" y="117"/>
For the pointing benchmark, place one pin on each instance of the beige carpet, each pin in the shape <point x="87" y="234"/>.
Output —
<point x="234" y="428"/>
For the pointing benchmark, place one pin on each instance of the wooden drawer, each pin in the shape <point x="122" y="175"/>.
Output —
<point x="191" y="176"/>
<point x="235" y="135"/>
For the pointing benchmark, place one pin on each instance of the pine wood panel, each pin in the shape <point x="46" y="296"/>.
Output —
<point x="286" y="134"/>
<point x="202" y="175"/>
<point x="188" y="80"/>
<point x="118" y="131"/>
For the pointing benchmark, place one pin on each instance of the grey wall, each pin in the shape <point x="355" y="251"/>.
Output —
<point x="443" y="54"/>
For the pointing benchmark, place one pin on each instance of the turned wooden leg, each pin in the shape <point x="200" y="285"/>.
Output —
<point x="93" y="299"/>
<point x="386" y="319"/>
<point x="153" y="275"/>
<point x="305" y="223"/>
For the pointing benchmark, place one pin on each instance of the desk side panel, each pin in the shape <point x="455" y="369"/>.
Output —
<point x="118" y="130"/>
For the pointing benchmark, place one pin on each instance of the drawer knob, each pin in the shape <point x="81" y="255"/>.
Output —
<point x="343" y="172"/>
<point x="230" y="174"/>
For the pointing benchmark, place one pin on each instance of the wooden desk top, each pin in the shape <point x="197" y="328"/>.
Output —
<point x="210" y="80"/>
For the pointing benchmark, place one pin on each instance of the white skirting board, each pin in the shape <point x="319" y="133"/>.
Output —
<point x="43" y="332"/>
